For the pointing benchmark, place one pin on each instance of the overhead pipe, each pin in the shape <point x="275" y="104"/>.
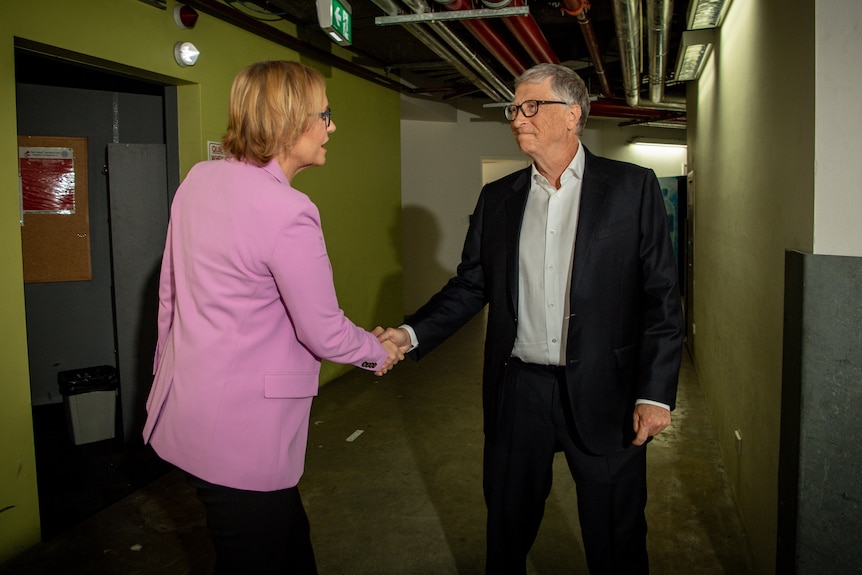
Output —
<point x="473" y="59"/>
<point x="619" y="108"/>
<point x="578" y="9"/>
<point x="527" y="32"/>
<point x="488" y="37"/>
<point x="486" y="82"/>
<point x="659" y="13"/>
<point x="468" y="56"/>
<point x="448" y="56"/>
<point x="627" y="21"/>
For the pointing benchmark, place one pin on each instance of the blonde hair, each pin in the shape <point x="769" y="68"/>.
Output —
<point x="271" y="105"/>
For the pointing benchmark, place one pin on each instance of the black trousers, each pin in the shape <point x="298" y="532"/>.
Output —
<point x="518" y="470"/>
<point x="255" y="532"/>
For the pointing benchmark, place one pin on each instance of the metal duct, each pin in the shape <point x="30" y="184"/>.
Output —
<point x="627" y="21"/>
<point x="659" y="13"/>
<point x="502" y="92"/>
<point x="491" y="88"/>
<point x="485" y="34"/>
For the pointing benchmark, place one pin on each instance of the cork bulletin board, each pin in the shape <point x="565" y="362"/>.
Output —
<point x="55" y="221"/>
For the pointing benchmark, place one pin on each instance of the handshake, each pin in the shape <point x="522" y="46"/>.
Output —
<point x="396" y="342"/>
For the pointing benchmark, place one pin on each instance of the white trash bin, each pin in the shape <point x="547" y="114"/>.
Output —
<point x="90" y="396"/>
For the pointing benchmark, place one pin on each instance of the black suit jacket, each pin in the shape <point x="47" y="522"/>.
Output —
<point x="624" y="340"/>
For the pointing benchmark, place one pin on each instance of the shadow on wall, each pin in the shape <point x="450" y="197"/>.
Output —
<point x="423" y="273"/>
<point x="388" y="314"/>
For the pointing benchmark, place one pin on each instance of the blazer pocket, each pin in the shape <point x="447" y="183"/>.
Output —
<point x="615" y="227"/>
<point x="290" y="385"/>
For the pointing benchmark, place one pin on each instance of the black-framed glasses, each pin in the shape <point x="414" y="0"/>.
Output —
<point x="528" y="108"/>
<point x="327" y="116"/>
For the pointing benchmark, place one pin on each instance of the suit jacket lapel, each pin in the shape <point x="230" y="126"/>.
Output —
<point x="516" y="203"/>
<point x="593" y="194"/>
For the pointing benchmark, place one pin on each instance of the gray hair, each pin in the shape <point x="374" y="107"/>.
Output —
<point x="565" y="84"/>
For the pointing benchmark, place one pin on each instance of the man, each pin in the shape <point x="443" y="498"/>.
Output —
<point x="584" y="336"/>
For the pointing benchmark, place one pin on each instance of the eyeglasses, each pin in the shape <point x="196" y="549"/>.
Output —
<point x="528" y="108"/>
<point x="327" y="116"/>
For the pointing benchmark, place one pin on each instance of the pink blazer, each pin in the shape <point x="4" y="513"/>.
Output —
<point x="247" y="310"/>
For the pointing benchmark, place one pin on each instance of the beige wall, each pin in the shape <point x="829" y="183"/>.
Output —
<point x="838" y="123"/>
<point x="360" y="215"/>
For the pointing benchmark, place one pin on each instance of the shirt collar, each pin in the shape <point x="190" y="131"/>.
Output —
<point x="575" y="169"/>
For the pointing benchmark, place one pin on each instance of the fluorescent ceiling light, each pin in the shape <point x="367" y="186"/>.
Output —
<point x="706" y="13"/>
<point x="694" y="50"/>
<point x="647" y="141"/>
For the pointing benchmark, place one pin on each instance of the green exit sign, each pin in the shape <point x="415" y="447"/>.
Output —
<point x="336" y="19"/>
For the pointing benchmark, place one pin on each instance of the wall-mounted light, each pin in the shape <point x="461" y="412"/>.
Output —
<point x="185" y="17"/>
<point x="186" y="54"/>
<point x="336" y="19"/>
<point x="706" y="13"/>
<point x="694" y="50"/>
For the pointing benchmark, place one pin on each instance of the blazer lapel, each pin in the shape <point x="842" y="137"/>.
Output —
<point x="593" y="195"/>
<point x="516" y="203"/>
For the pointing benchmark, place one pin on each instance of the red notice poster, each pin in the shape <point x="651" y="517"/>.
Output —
<point x="47" y="180"/>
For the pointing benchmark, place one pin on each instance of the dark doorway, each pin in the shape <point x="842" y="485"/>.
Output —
<point x="75" y="324"/>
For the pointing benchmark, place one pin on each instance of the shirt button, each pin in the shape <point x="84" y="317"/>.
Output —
<point x="554" y="340"/>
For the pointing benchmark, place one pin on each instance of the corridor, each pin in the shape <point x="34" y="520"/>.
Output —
<point x="393" y="486"/>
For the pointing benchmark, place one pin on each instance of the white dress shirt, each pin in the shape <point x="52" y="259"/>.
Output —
<point x="545" y="251"/>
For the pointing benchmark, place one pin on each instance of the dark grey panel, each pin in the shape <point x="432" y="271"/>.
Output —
<point x="820" y="515"/>
<point x="139" y="217"/>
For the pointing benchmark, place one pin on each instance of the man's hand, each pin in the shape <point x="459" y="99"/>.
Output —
<point x="398" y="336"/>
<point x="649" y="420"/>
<point x="396" y="353"/>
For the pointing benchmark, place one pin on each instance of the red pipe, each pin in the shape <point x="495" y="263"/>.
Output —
<point x="618" y="108"/>
<point x="578" y="9"/>
<point x="527" y="32"/>
<point x="489" y="38"/>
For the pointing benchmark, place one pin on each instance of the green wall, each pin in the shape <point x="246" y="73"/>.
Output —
<point x="358" y="191"/>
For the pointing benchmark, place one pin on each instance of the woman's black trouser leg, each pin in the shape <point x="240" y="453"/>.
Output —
<point x="257" y="533"/>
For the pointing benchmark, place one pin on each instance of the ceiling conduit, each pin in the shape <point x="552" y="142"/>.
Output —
<point x="659" y="14"/>
<point x="485" y="34"/>
<point x="627" y="21"/>
<point x="578" y="9"/>
<point x="527" y="32"/>
<point x="506" y="94"/>
<point x="491" y="86"/>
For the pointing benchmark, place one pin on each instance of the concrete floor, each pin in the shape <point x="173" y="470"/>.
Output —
<point x="393" y="486"/>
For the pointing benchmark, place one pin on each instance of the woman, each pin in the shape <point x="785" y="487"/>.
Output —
<point x="247" y="312"/>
